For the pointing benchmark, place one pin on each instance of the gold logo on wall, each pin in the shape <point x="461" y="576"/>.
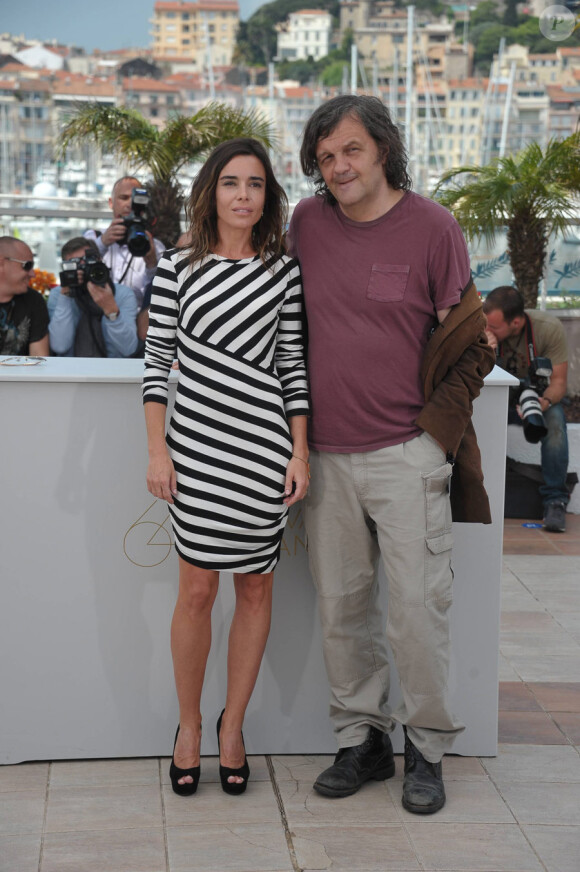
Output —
<point x="148" y="542"/>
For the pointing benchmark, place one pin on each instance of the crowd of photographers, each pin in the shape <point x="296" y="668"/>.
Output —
<point x="100" y="307"/>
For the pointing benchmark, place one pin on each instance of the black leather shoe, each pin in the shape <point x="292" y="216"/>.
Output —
<point x="372" y="759"/>
<point x="423" y="790"/>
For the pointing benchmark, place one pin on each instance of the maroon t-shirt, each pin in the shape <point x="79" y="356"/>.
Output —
<point x="371" y="291"/>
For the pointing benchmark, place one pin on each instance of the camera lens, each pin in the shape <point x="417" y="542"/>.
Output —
<point x="96" y="272"/>
<point x="137" y="241"/>
<point x="532" y="418"/>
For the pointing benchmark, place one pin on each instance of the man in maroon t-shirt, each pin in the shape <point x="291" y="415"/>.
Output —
<point x="381" y="267"/>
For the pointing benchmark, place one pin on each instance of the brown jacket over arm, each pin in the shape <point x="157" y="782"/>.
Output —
<point x="457" y="359"/>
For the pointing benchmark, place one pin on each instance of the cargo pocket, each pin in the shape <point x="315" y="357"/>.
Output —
<point x="437" y="503"/>
<point x="439" y="538"/>
<point x="388" y="282"/>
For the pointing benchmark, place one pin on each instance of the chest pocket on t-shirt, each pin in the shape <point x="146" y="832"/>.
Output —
<point x="387" y="282"/>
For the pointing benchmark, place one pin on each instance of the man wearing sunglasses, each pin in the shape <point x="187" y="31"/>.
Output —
<point x="23" y="312"/>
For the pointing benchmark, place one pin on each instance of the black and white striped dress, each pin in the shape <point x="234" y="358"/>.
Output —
<point x="237" y="329"/>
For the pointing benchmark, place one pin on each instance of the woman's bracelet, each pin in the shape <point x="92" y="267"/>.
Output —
<point x="295" y="456"/>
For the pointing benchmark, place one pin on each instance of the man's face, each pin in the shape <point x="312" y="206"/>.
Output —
<point x="14" y="278"/>
<point x="350" y="164"/>
<point x="120" y="202"/>
<point x="501" y="328"/>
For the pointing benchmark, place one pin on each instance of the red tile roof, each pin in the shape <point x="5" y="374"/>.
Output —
<point x="140" y="83"/>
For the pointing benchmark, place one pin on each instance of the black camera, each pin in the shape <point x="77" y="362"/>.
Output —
<point x="529" y="393"/>
<point x="136" y="223"/>
<point x="91" y="269"/>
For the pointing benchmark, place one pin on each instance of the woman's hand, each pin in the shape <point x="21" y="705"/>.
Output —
<point x="161" y="479"/>
<point x="297" y="476"/>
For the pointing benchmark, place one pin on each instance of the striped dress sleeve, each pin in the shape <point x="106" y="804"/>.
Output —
<point x="161" y="335"/>
<point x="289" y="354"/>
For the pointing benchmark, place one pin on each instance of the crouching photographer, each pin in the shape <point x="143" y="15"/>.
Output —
<point x="532" y="346"/>
<point x="90" y="316"/>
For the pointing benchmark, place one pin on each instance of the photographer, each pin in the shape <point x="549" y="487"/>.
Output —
<point x="89" y="315"/>
<point x="129" y="265"/>
<point x="520" y="338"/>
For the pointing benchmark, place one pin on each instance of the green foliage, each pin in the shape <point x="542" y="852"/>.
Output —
<point x="185" y="139"/>
<point x="302" y="71"/>
<point x="531" y="193"/>
<point x="486" y="43"/>
<point x="332" y="74"/>
<point x="484" y="12"/>
<point x="510" y="16"/>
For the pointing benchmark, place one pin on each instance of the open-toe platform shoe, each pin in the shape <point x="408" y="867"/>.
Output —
<point x="232" y="787"/>
<point x="175" y="773"/>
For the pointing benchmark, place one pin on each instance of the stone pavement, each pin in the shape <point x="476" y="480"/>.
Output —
<point x="518" y="812"/>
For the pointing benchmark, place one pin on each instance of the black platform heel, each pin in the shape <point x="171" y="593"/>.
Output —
<point x="232" y="787"/>
<point x="175" y="773"/>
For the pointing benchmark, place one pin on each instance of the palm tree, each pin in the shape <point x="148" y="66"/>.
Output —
<point x="531" y="193"/>
<point x="162" y="153"/>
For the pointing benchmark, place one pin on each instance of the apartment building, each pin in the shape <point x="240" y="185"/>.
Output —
<point x="304" y="34"/>
<point x="380" y="32"/>
<point x="194" y="32"/>
<point x="564" y="116"/>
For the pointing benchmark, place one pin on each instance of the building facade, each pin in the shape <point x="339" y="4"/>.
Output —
<point x="195" y="31"/>
<point x="305" y="34"/>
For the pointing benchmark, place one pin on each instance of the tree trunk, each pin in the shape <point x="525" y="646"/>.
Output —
<point x="166" y="205"/>
<point x="527" y="240"/>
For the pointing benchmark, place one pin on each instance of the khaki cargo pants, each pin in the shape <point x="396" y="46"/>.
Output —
<point x="393" y="502"/>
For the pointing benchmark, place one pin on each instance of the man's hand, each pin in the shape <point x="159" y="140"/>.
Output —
<point x="103" y="297"/>
<point x="115" y="232"/>
<point x="491" y="338"/>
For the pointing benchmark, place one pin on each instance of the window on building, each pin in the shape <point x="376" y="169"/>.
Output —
<point x="154" y="113"/>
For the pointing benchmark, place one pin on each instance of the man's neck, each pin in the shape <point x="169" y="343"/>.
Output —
<point x="5" y="296"/>
<point x="370" y="210"/>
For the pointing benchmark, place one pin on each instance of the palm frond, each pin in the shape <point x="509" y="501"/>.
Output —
<point x="123" y="131"/>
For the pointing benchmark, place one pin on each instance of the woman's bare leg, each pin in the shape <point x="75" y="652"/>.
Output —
<point x="247" y="641"/>
<point x="190" y="644"/>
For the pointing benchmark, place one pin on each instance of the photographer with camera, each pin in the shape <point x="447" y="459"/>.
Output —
<point x="90" y="316"/>
<point x="127" y="246"/>
<point x="532" y="346"/>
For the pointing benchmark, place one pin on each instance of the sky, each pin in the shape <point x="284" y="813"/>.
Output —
<point x="105" y="24"/>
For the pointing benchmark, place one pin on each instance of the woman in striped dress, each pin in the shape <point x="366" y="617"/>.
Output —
<point x="235" y="457"/>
